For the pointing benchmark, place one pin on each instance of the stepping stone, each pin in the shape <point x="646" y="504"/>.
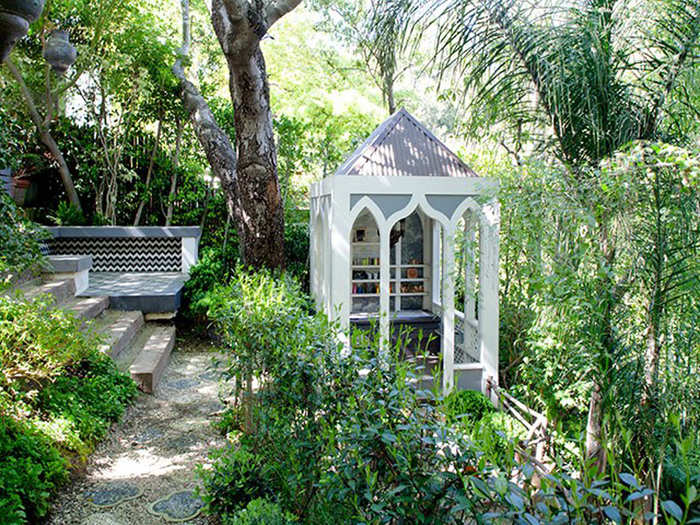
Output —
<point x="148" y="435"/>
<point x="181" y="384"/>
<point x="101" y="518"/>
<point x="112" y="494"/>
<point x="182" y="505"/>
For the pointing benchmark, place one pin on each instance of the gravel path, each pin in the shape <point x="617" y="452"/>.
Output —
<point x="151" y="454"/>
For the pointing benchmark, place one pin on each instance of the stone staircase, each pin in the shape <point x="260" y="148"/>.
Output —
<point x="139" y="348"/>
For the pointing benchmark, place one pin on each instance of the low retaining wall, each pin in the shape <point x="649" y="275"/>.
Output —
<point x="129" y="249"/>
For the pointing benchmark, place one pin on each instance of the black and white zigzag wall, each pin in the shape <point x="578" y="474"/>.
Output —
<point x="132" y="254"/>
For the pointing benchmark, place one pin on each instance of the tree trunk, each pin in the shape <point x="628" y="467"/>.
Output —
<point x="240" y="26"/>
<point x="176" y="166"/>
<point x="594" y="448"/>
<point x="149" y="173"/>
<point x="215" y="143"/>
<point x="46" y="138"/>
<point x="262" y="236"/>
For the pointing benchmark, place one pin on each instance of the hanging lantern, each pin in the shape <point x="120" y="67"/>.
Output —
<point x="59" y="52"/>
<point x="15" y="17"/>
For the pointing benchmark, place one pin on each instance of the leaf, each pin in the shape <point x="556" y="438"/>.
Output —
<point x="629" y="479"/>
<point x="673" y="509"/>
<point x="612" y="513"/>
<point x="634" y="496"/>
<point x="515" y="500"/>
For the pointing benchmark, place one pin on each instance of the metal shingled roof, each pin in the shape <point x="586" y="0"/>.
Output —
<point x="402" y="146"/>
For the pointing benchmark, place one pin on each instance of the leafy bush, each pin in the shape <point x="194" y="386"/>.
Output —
<point x="238" y="476"/>
<point x="37" y="341"/>
<point x="20" y="239"/>
<point x="296" y="251"/>
<point x="58" y="396"/>
<point x="68" y="215"/>
<point x="466" y="406"/>
<point x="209" y="272"/>
<point x="30" y="468"/>
<point x="338" y="436"/>
<point x="261" y="512"/>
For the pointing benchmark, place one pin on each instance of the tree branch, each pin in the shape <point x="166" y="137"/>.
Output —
<point x="274" y="10"/>
<point x="216" y="144"/>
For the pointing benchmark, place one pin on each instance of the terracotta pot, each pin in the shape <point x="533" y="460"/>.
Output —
<point x="59" y="52"/>
<point x="15" y="17"/>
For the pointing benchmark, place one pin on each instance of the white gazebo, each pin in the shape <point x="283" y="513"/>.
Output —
<point x="383" y="236"/>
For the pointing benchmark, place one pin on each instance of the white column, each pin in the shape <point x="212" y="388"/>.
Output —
<point x="384" y="280"/>
<point x="448" y="310"/>
<point x="488" y="292"/>
<point x="313" y="268"/>
<point x="469" y="266"/>
<point x="435" y="268"/>
<point x="470" y="329"/>
<point x="339" y="271"/>
<point x="427" y="258"/>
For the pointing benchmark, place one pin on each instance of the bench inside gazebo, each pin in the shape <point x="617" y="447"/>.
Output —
<point x="384" y="229"/>
<point x="138" y="268"/>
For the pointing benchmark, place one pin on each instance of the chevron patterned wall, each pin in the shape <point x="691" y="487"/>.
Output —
<point x="130" y="254"/>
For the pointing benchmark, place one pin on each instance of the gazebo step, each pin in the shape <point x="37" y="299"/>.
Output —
<point x="88" y="307"/>
<point x="152" y="359"/>
<point x="120" y="328"/>
<point x="61" y="290"/>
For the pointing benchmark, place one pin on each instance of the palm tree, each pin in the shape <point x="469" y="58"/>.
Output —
<point x="590" y="76"/>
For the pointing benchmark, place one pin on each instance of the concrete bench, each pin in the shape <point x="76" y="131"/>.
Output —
<point x="139" y="268"/>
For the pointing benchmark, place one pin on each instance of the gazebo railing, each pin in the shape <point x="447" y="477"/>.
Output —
<point x="465" y="330"/>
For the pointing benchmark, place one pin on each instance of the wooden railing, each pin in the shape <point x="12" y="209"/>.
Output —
<point x="537" y="443"/>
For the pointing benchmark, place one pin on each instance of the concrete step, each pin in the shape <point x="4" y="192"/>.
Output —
<point x="153" y="358"/>
<point x="87" y="308"/>
<point x="119" y="329"/>
<point x="62" y="290"/>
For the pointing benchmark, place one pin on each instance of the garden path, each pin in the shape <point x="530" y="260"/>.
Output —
<point x="147" y="463"/>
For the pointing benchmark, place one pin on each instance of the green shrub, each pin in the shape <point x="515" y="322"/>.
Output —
<point x="236" y="478"/>
<point x="296" y="252"/>
<point x="209" y="272"/>
<point x="68" y="214"/>
<point x="30" y="468"/>
<point x="58" y="396"/>
<point x="261" y="512"/>
<point x="466" y="406"/>
<point x="334" y="436"/>
<point x="88" y="397"/>
<point x="37" y="341"/>
<point x="20" y="239"/>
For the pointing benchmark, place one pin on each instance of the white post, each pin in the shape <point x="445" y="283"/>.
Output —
<point x="488" y="292"/>
<point x="448" y="310"/>
<point x="427" y="262"/>
<point x="471" y="334"/>
<point x="435" y="268"/>
<point x="189" y="253"/>
<point x="469" y="266"/>
<point x="339" y="269"/>
<point x="384" y="280"/>
<point x="313" y="269"/>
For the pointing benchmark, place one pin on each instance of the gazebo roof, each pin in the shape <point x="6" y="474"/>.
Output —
<point x="402" y="146"/>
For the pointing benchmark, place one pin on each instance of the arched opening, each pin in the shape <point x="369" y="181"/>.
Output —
<point x="364" y="257"/>
<point x="467" y="257"/>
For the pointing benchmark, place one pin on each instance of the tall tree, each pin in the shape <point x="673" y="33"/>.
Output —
<point x="594" y="77"/>
<point x="249" y="173"/>
<point x="374" y="32"/>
